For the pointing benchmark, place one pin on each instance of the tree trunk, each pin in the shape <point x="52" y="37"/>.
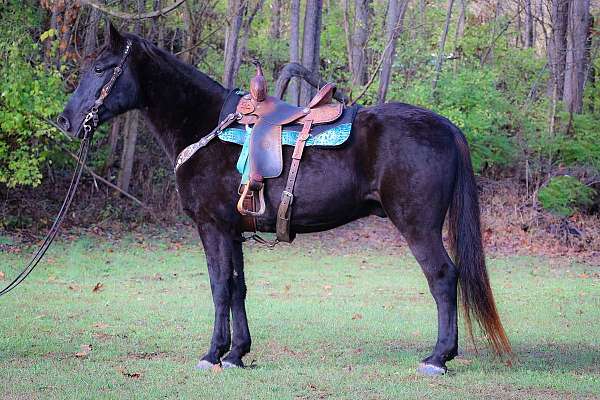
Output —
<point x="460" y="33"/>
<point x="236" y="13"/>
<point x="113" y="141"/>
<point x="91" y="33"/>
<point x="529" y="26"/>
<point x="558" y="50"/>
<point x="128" y="154"/>
<point x="348" y="33"/>
<point x="442" y="44"/>
<point x="423" y="19"/>
<point x="275" y="27"/>
<point x="359" y="42"/>
<point x="311" y="44"/>
<point x="294" y="87"/>
<point x="247" y="25"/>
<point x="577" y="54"/>
<point x="393" y="28"/>
<point x="275" y="34"/>
<point x="188" y="34"/>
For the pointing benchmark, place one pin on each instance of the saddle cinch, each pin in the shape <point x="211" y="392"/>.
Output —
<point x="269" y="115"/>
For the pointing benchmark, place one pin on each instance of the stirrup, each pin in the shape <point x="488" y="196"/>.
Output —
<point x="261" y="201"/>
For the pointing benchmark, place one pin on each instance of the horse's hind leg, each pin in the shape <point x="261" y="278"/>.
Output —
<point x="421" y="225"/>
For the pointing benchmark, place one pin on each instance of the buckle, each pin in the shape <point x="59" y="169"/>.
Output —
<point x="287" y="194"/>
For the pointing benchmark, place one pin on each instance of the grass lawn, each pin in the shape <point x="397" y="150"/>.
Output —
<point x="324" y="325"/>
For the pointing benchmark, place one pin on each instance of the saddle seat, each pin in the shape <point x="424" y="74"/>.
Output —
<point x="269" y="115"/>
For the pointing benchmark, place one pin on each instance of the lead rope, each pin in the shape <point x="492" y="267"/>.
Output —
<point x="90" y="123"/>
<point x="37" y="257"/>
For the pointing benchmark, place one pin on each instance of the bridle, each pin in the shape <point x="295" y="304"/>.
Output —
<point x="89" y="125"/>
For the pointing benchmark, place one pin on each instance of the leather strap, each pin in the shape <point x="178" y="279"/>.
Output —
<point x="248" y="222"/>
<point x="287" y="197"/>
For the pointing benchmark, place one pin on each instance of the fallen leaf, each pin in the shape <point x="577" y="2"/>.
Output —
<point x="357" y="316"/>
<point x="85" y="350"/>
<point x="99" y="286"/>
<point x="124" y="372"/>
<point x="2" y="275"/>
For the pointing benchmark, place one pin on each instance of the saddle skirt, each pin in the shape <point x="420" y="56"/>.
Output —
<point x="262" y="140"/>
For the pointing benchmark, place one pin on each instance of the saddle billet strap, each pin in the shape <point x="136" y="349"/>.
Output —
<point x="287" y="197"/>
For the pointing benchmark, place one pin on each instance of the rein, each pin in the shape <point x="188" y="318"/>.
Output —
<point x="89" y="125"/>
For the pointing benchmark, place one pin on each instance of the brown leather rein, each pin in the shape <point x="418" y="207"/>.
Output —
<point x="89" y="125"/>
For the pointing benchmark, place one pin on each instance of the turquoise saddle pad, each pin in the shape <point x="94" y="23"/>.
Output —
<point x="334" y="136"/>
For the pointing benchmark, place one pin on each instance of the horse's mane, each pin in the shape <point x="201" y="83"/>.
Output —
<point x="170" y="62"/>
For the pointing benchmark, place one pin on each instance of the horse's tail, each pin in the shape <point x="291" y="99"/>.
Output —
<point x="467" y="248"/>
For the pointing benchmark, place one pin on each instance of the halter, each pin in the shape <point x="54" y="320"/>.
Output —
<point x="90" y="123"/>
<point x="92" y="115"/>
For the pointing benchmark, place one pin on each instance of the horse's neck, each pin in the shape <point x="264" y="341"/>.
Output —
<point x="181" y="103"/>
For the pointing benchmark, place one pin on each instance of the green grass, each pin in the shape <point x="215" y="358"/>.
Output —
<point x="324" y="326"/>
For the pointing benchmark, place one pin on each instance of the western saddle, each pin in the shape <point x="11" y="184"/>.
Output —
<point x="269" y="114"/>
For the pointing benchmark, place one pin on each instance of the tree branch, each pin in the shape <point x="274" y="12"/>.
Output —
<point x="293" y="69"/>
<point x="122" y="15"/>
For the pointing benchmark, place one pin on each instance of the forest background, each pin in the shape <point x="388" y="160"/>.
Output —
<point x="519" y="77"/>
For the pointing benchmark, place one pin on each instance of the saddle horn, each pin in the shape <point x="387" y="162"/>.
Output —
<point x="258" y="84"/>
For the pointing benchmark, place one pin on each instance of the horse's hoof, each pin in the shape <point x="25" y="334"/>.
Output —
<point x="204" y="365"/>
<point x="430" y="370"/>
<point x="227" y="364"/>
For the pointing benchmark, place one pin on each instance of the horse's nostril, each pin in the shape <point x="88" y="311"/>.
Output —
<point x="63" y="122"/>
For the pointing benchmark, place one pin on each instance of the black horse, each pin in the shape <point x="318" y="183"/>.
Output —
<point x="403" y="162"/>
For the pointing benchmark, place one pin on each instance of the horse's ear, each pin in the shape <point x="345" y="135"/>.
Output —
<point x="115" y="39"/>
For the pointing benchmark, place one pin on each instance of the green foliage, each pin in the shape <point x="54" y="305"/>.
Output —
<point x="564" y="194"/>
<point x="27" y="89"/>
<point x="470" y="100"/>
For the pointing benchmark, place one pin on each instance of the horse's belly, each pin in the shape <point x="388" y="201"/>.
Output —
<point x="327" y="192"/>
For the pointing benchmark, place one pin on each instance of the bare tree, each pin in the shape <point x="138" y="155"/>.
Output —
<point x="311" y="44"/>
<point x="576" y="54"/>
<point x="360" y="37"/>
<point x="246" y="26"/>
<point x="91" y="33"/>
<point x="189" y="36"/>
<point x="236" y="11"/>
<point x="275" y="34"/>
<point x="393" y="27"/>
<point x="294" y="88"/>
<point x="557" y="52"/>
<point x="128" y="154"/>
<point x="275" y="26"/>
<point x="442" y="44"/>
<point x="348" y="32"/>
<point x="529" y="25"/>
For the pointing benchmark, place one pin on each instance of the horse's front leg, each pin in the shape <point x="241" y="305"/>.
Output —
<point x="225" y="267"/>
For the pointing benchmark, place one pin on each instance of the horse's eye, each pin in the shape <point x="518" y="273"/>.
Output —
<point x="98" y="69"/>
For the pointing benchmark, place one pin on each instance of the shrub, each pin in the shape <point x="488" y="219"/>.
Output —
<point x="28" y="91"/>
<point x="564" y="194"/>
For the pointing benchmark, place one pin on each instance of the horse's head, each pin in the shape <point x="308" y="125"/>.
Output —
<point x="122" y="96"/>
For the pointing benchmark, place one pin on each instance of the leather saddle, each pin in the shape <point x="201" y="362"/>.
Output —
<point x="269" y="115"/>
